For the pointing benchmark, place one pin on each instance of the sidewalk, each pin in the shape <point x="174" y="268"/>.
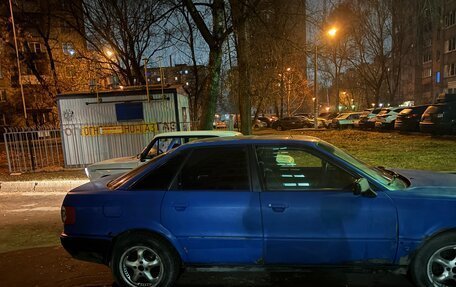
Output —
<point x="53" y="181"/>
<point x="41" y="185"/>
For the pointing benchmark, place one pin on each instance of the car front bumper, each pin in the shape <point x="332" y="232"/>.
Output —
<point x="97" y="250"/>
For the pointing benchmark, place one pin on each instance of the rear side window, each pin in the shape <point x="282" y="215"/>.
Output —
<point x="419" y="110"/>
<point x="160" y="178"/>
<point x="223" y="168"/>
<point x="406" y="111"/>
<point x="436" y="109"/>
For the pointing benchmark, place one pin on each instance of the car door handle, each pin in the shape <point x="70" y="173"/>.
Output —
<point x="180" y="206"/>
<point x="278" y="207"/>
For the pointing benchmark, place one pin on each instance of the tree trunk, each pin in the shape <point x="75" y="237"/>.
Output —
<point x="212" y="89"/>
<point x="239" y="10"/>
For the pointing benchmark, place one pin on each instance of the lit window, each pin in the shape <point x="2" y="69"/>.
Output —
<point x="427" y="73"/>
<point x="186" y="72"/>
<point x="450" y="45"/>
<point x="68" y="49"/>
<point x="158" y="79"/>
<point x="2" y="95"/>
<point x="70" y="71"/>
<point x="35" y="47"/>
<point x="176" y="78"/>
<point x="450" y="70"/>
<point x="427" y="57"/>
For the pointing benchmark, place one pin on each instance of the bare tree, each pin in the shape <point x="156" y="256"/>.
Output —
<point x="186" y="40"/>
<point x="214" y="34"/>
<point x="371" y="42"/>
<point x="124" y="32"/>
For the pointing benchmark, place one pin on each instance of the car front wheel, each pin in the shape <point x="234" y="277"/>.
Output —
<point x="144" y="260"/>
<point x="279" y="128"/>
<point x="435" y="263"/>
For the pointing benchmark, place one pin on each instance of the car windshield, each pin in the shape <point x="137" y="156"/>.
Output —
<point x="342" y="116"/>
<point x="386" y="177"/>
<point x="383" y="112"/>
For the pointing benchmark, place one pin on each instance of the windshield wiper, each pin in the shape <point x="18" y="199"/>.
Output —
<point x="391" y="172"/>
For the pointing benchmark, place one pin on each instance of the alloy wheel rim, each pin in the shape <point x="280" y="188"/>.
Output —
<point x="441" y="267"/>
<point x="141" y="266"/>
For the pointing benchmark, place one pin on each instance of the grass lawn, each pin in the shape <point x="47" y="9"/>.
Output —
<point x="389" y="149"/>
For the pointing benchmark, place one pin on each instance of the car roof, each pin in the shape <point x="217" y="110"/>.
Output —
<point x="273" y="139"/>
<point x="199" y="133"/>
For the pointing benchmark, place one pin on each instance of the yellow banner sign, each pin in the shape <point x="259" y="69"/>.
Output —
<point x="121" y="129"/>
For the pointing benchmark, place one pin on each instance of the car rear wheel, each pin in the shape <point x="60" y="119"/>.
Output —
<point x="435" y="263"/>
<point x="144" y="260"/>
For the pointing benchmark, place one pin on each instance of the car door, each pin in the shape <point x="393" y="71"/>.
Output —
<point x="311" y="216"/>
<point x="212" y="210"/>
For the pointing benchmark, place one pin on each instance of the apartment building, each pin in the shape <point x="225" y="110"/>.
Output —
<point x="48" y="51"/>
<point x="429" y="62"/>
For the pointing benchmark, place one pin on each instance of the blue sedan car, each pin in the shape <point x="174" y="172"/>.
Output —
<point x="263" y="202"/>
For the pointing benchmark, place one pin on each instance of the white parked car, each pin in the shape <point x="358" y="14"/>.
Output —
<point x="345" y="120"/>
<point x="386" y="118"/>
<point x="159" y="144"/>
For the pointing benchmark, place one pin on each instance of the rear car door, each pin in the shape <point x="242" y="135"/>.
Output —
<point x="212" y="210"/>
<point x="311" y="216"/>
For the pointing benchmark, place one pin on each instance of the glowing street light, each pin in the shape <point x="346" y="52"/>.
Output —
<point x="109" y="53"/>
<point x="332" y="32"/>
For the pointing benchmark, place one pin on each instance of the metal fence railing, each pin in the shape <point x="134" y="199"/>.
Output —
<point x="33" y="149"/>
<point x="78" y="145"/>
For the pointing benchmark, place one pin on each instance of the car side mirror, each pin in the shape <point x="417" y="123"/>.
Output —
<point x="140" y="157"/>
<point x="362" y="187"/>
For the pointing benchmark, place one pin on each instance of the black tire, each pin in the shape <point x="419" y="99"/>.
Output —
<point x="279" y="128"/>
<point x="155" y="251"/>
<point x="443" y="246"/>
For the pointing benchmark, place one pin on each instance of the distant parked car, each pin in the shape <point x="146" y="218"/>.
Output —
<point x="345" y="120"/>
<point x="263" y="203"/>
<point x="327" y="118"/>
<point x="219" y="125"/>
<point x="409" y="118"/>
<point x="439" y="119"/>
<point x="160" y="143"/>
<point x="267" y="120"/>
<point x="363" y="122"/>
<point x="310" y="120"/>
<point x="386" y="118"/>
<point x="256" y="124"/>
<point x="288" y="123"/>
<point x="307" y="115"/>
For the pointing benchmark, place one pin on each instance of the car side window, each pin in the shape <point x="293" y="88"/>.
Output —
<point x="287" y="168"/>
<point x="160" y="178"/>
<point x="221" y="168"/>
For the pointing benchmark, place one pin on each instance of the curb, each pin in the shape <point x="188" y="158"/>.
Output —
<point x="40" y="186"/>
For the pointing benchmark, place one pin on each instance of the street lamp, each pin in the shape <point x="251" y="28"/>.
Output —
<point x="332" y="34"/>
<point x="109" y="53"/>
<point x="288" y="85"/>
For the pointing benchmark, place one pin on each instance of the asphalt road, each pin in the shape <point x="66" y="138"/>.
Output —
<point x="31" y="256"/>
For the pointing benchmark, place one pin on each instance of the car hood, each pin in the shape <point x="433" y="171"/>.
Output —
<point x="421" y="178"/>
<point x="120" y="162"/>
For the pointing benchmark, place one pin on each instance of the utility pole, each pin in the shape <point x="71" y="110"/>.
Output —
<point x="17" y="60"/>
<point x="316" y="88"/>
